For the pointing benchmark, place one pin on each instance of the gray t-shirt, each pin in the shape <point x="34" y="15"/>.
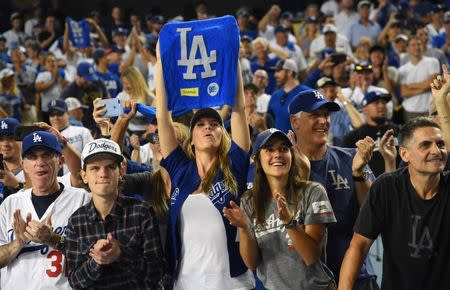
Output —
<point x="281" y="267"/>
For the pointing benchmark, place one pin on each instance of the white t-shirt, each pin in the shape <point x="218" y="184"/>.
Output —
<point x="51" y="93"/>
<point x="151" y="76"/>
<point x="146" y="154"/>
<point x="38" y="266"/>
<point x="411" y="74"/>
<point x="262" y="103"/>
<point x="344" y="21"/>
<point x="14" y="38"/>
<point x="77" y="136"/>
<point x="342" y="45"/>
<point x="204" y="254"/>
<point x="269" y="34"/>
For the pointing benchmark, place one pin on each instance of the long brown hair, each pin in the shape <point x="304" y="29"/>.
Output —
<point x="157" y="195"/>
<point x="223" y="162"/>
<point x="261" y="194"/>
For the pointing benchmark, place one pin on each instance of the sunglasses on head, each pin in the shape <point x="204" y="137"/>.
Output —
<point x="360" y="68"/>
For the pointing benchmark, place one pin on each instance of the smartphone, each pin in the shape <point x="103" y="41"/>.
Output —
<point x="21" y="131"/>
<point x="338" y="57"/>
<point x="113" y="107"/>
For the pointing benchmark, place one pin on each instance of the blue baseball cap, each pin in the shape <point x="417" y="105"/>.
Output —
<point x="265" y="136"/>
<point x="58" y="105"/>
<point x="86" y="71"/>
<point x="326" y="52"/>
<point x="309" y="101"/>
<point x="371" y="97"/>
<point x="40" y="139"/>
<point x="120" y="31"/>
<point x="7" y="126"/>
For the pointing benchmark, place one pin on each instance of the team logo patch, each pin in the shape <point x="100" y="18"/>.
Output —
<point x="321" y="207"/>
<point x="4" y="125"/>
<point x="213" y="89"/>
<point x="37" y="138"/>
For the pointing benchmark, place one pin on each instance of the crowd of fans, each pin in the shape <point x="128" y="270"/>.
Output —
<point x="325" y="92"/>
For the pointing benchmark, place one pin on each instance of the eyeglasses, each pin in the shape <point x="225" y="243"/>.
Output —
<point x="56" y="113"/>
<point x="260" y="77"/>
<point x="153" y="138"/>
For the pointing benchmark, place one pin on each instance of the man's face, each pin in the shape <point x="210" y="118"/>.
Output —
<point x="281" y="38"/>
<point x="10" y="148"/>
<point x="364" y="12"/>
<point x="329" y="91"/>
<point x="42" y="165"/>
<point x="422" y="34"/>
<point x="59" y="119"/>
<point x="376" y="110"/>
<point x="16" y="24"/>
<point x="330" y="39"/>
<point x="312" y="127"/>
<point x="425" y="153"/>
<point x="281" y="77"/>
<point x="415" y="48"/>
<point x="102" y="175"/>
<point x="250" y="98"/>
<point x="377" y="58"/>
<point x="400" y="46"/>
<point x="120" y="40"/>
<point x="77" y="114"/>
<point x="260" y="79"/>
<point x="260" y="50"/>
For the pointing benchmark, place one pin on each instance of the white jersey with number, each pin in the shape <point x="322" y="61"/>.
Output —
<point x="38" y="266"/>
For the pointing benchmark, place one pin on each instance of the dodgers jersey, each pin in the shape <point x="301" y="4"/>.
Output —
<point x="38" y="266"/>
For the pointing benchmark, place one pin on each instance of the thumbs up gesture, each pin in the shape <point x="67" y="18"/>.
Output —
<point x="40" y="232"/>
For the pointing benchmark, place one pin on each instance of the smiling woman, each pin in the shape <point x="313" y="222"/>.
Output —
<point x="283" y="219"/>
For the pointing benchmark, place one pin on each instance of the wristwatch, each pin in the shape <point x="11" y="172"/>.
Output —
<point x="361" y="178"/>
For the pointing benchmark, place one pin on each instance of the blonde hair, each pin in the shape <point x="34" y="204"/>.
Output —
<point x="139" y="88"/>
<point x="260" y="40"/>
<point x="223" y="162"/>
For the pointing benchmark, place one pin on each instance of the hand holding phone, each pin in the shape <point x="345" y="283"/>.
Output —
<point x="113" y="107"/>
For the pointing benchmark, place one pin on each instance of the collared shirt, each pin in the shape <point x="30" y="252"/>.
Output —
<point x="134" y="225"/>
<point x="358" y="30"/>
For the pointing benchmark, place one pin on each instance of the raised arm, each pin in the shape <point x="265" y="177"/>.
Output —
<point x="364" y="151"/>
<point x="166" y="132"/>
<point x="353" y="113"/>
<point x="440" y="88"/>
<point x="239" y="124"/>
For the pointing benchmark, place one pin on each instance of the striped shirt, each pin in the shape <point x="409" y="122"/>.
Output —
<point x="133" y="224"/>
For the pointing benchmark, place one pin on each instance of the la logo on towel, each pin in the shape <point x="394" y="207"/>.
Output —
<point x="198" y="43"/>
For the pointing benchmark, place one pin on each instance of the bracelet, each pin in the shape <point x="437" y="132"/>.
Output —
<point x="291" y="224"/>
<point x="361" y="178"/>
<point x="59" y="244"/>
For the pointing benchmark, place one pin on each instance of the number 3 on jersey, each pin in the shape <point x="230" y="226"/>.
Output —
<point x="56" y="266"/>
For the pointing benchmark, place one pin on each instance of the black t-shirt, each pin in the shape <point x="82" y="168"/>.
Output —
<point x="415" y="232"/>
<point x="375" y="132"/>
<point x="86" y="96"/>
<point x="41" y="203"/>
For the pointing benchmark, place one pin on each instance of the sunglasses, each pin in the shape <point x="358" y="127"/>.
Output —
<point x="360" y="68"/>
<point x="153" y="138"/>
<point x="56" y="113"/>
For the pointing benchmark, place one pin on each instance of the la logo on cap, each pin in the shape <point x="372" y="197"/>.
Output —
<point x="4" y="125"/>
<point x="318" y="95"/>
<point x="36" y="138"/>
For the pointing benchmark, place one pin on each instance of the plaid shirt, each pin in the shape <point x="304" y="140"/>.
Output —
<point x="133" y="224"/>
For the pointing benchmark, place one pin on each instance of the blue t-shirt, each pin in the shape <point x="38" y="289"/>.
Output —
<point x="278" y="106"/>
<point x="111" y="81"/>
<point x="185" y="180"/>
<point x="11" y="104"/>
<point x="268" y="67"/>
<point x="334" y="172"/>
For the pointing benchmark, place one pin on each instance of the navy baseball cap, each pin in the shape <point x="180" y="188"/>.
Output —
<point x="205" y="113"/>
<point x="99" y="53"/>
<point x="326" y="52"/>
<point x="265" y="136"/>
<point x="439" y="8"/>
<point x="7" y="126"/>
<point x="158" y="19"/>
<point x="310" y="100"/>
<point x="40" y="139"/>
<point x="371" y="97"/>
<point x="281" y="28"/>
<point x="86" y="71"/>
<point x="58" y="105"/>
<point x="120" y="31"/>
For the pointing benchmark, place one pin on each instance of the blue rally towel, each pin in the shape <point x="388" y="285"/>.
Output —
<point x="199" y="60"/>
<point x="150" y="112"/>
<point x="79" y="32"/>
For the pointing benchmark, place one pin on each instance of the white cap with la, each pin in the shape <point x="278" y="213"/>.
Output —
<point x="101" y="146"/>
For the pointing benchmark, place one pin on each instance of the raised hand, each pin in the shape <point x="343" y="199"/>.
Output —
<point x="440" y="86"/>
<point x="134" y="140"/>
<point x="40" y="232"/>
<point x="19" y="227"/>
<point x="106" y="251"/>
<point x="284" y="213"/>
<point x="364" y="150"/>
<point x="387" y="147"/>
<point x="7" y="177"/>
<point x="236" y="215"/>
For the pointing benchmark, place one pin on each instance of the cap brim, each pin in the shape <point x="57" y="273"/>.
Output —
<point x="264" y="142"/>
<point x="117" y="157"/>
<point x="331" y="106"/>
<point x="91" y="78"/>
<point x="205" y="113"/>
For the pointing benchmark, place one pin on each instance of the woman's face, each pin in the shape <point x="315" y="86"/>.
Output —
<point x="126" y="86"/>
<point x="276" y="158"/>
<point x="50" y="63"/>
<point x="207" y="134"/>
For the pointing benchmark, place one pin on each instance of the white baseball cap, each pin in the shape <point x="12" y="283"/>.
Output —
<point x="7" y="72"/>
<point x="329" y="28"/>
<point x="74" y="103"/>
<point x="101" y="146"/>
